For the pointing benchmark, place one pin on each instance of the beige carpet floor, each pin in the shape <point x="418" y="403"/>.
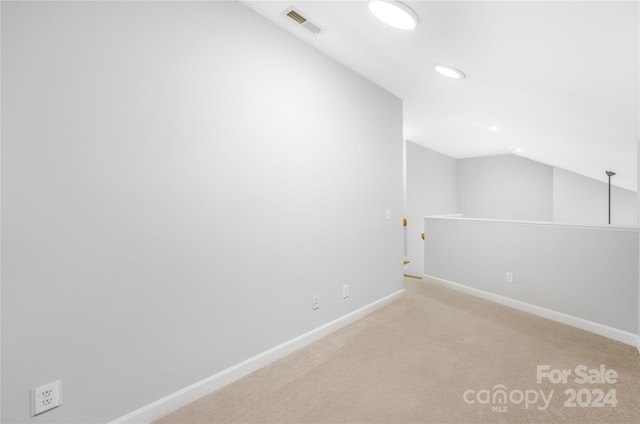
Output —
<point x="414" y="360"/>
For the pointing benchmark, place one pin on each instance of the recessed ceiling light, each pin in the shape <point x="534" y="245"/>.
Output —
<point x="394" y="13"/>
<point x="517" y="150"/>
<point x="495" y="129"/>
<point x="449" y="71"/>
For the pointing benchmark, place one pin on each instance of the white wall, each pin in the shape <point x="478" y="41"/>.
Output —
<point x="178" y="180"/>
<point x="505" y="187"/>
<point x="431" y="190"/>
<point x="586" y="272"/>
<point x="582" y="200"/>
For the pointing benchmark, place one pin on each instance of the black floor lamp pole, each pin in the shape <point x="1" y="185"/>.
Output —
<point x="610" y="174"/>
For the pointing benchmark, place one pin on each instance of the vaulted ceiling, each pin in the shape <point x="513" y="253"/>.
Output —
<point x="559" y="79"/>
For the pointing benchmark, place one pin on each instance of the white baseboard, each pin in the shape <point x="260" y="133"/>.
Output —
<point x="583" y="324"/>
<point x="184" y="396"/>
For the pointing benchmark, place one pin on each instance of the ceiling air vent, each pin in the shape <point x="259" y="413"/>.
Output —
<point x="297" y="18"/>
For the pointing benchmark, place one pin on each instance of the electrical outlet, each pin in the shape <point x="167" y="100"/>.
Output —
<point x="46" y="397"/>
<point x="316" y="302"/>
<point x="345" y="291"/>
<point x="510" y="277"/>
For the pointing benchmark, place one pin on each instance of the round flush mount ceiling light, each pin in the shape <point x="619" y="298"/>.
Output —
<point x="449" y="71"/>
<point x="394" y="13"/>
<point x="495" y="129"/>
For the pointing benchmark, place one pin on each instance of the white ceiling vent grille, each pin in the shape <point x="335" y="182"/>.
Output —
<point x="297" y="18"/>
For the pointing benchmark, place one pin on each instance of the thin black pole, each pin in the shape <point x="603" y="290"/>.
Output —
<point x="610" y="174"/>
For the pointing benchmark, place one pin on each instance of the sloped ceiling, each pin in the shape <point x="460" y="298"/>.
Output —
<point x="560" y="79"/>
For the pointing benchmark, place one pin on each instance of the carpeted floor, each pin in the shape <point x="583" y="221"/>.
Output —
<point x="417" y="360"/>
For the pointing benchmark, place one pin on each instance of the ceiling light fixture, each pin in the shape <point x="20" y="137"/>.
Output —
<point x="394" y="13"/>
<point x="449" y="71"/>
<point x="517" y="150"/>
<point x="494" y="129"/>
<point x="610" y="174"/>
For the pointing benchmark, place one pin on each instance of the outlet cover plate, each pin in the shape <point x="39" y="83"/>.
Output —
<point x="46" y="397"/>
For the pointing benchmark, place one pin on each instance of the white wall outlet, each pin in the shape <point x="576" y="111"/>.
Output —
<point x="46" y="397"/>
<point x="388" y="213"/>
<point x="345" y="291"/>
<point x="510" y="277"/>
<point x="316" y="302"/>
